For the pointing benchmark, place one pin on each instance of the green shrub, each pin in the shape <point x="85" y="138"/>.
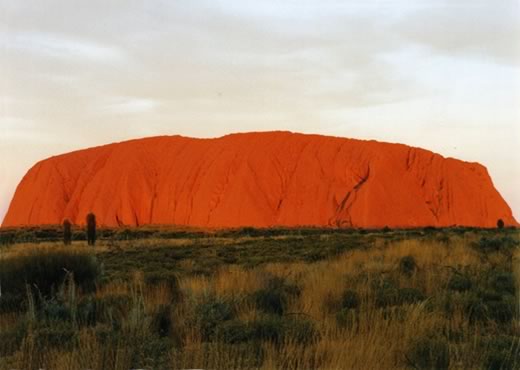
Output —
<point x="429" y="353"/>
<point x="459" y="283"/>
<point x="55" y="310"/>
<point x="502" y="352"/>
<point x="86" y="311"/>
<point x="210" y="314"/>
<point x="235" y="331"/>
<point x="45" y="271"/>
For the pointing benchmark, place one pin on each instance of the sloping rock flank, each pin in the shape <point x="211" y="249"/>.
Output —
<point x="258" y="179"/>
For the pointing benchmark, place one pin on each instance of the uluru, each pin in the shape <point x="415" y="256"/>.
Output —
<point x="259" y="179"/>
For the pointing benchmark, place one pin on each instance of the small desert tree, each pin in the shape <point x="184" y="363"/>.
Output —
<point x="500" y="223"/>
<point x="91" y="229"/>
<point x="67" y="232"/>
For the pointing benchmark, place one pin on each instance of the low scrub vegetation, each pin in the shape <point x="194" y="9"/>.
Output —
<point x="247" y="298"/>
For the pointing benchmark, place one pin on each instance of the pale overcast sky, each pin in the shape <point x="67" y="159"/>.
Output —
<point x="439" y="74"/>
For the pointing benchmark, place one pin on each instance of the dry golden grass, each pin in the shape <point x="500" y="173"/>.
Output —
<point x="23" y="249"/>
<point x="376" y="338"/>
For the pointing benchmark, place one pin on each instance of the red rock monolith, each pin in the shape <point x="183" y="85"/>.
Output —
<point x="258" y="179"/>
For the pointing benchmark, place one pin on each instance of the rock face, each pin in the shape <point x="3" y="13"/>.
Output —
<point x="258" y="179"/>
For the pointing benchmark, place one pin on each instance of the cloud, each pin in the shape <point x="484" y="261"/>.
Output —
<point x="91" y="72"/>
<point x="482" y="30"/>
<point x="129" y="105"/>
<point x="48" y="45"/>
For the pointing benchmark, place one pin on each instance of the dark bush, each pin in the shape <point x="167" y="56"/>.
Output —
<point x="249" y="231"/>
<point x="429" y="353"/>
<point x="502" y="352"/>
<point x="46" y="270"/>
<point x="459" y="283"/>
<point x="503" y="244"/>
<point x="503" y="282"/>
<point x="109" y="310"/>
<point x="7" y="238"/>
<point x="316" y="255"/>
<point x="10" y="302"/>
<point x="161" y="321"/>
<point x="490" y="305"/>
<point x="55" y="310"/>
<point x="235" y="331"/>
<point x="278" y="329"/>
<point x="67" y="232"/>
<point x="11" y="339"/>
<point x="489" y="245"/>
<point x="268" y="328"/>
<point x="150" y="352"/>
<point x="86" y="311"/>
<point x="500" y="223"/>
<point x="47" y="234"/>
<point x="410" y="295"/>
<point x="271" y="301"/>
<point x="407" y="265"/>
<point x="489" y="295"/>
<point x="475" y="309"/>
<point x="170" y="279"/>
<point x="443" y="239"/>
<point x="274" y="297"/>
<point x="346" y="318"/>
<point x="502" y="311"/>
<point x="59" y="334"/>
<point x="91" y="229"/>
<point x="210" y="314"/>
<point x="300" y="330"/>
<point x="386" y="293"/>
<point x="350" y="300"/>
